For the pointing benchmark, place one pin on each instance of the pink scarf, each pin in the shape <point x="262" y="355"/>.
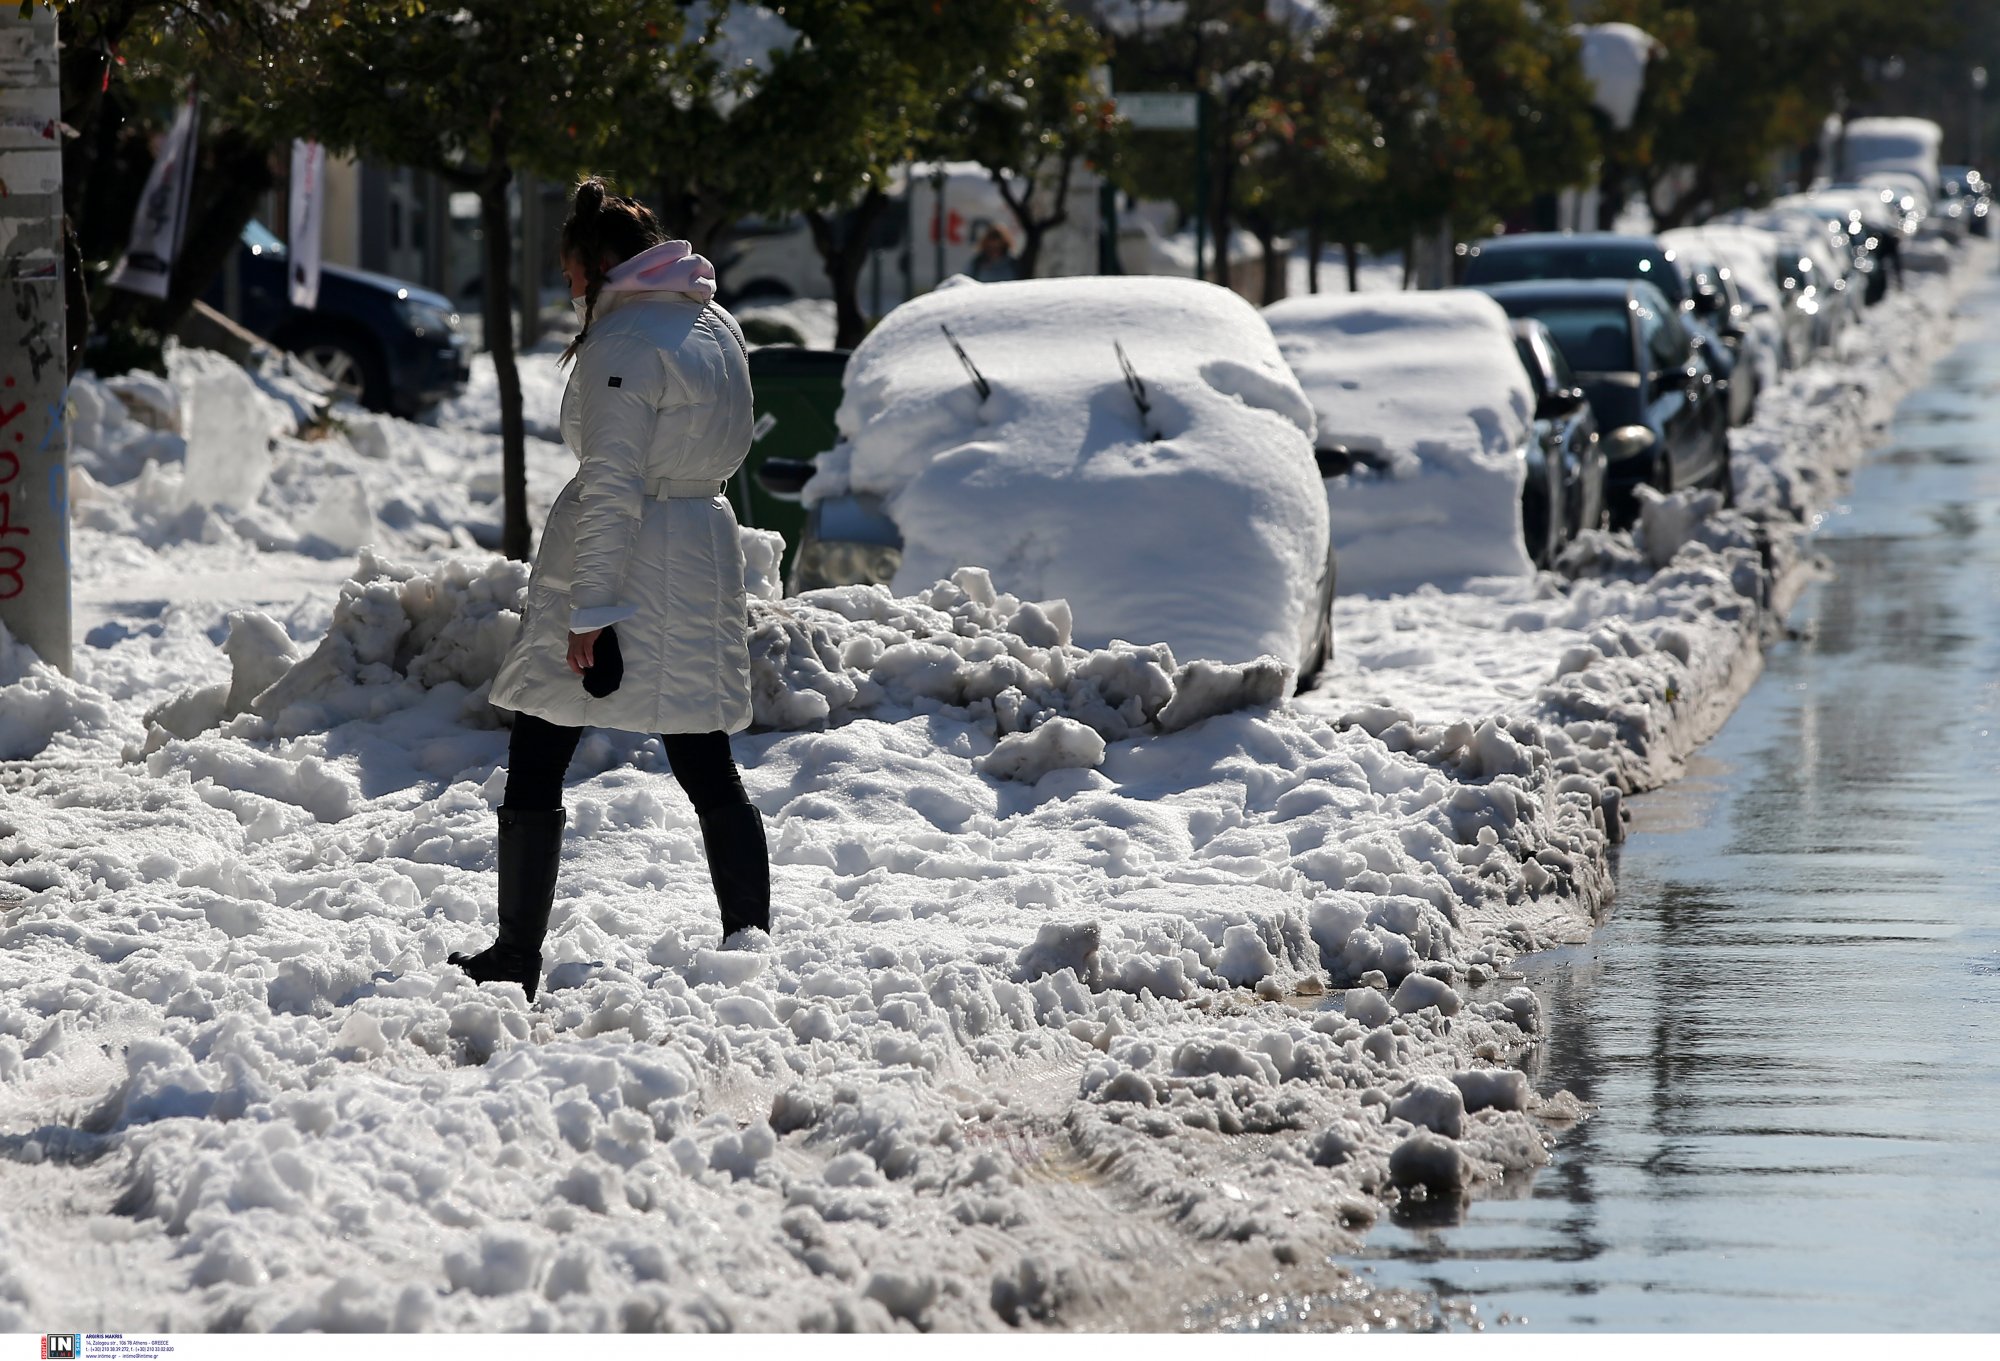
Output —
<point x="672" y="266"/>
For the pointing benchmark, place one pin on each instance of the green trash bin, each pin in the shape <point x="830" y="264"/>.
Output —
<point x="797" y="394"/>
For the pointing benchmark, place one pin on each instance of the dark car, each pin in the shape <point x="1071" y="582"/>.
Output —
<point x="1645" y="377"/>
<point x="1613" y="255"/>
<point x="1564" y="492"/>
<point x="1970" y="193"/>
<point x="382" y="342"/>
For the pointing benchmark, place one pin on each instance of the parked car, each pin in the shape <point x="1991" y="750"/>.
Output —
<point x="1647" y="381"/>
<point x="1564" y="494"/>
<point x="1133" y="445"/>
<point x="1967" y="194"/>
<point x="1810" y="268"/>
<point x="1751" y="256"/>
<point x="1611" y="255"/>
<point x="384" y="343"/>
<point x="1720" y="300"/>
<point x="1426" y="418"/>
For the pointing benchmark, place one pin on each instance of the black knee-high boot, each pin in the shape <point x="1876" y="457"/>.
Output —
<point x="530" y="850"/>
<point x="739" y="865"/>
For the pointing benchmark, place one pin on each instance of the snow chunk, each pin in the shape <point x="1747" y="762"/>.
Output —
<point x="1059" y="744"/>
<point x="1058" y="946"/>
<point x="1499" y="1089"/>
<point x="1420" y="990"/>
<point x="1433" y="1103"/>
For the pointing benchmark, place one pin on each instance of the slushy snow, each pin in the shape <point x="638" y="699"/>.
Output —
<point x="1072" y="1014"/>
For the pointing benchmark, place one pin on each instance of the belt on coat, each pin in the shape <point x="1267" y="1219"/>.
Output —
<point x="681" y="489"/>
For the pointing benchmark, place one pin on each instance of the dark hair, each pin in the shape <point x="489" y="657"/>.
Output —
<point x="604" y="229"/>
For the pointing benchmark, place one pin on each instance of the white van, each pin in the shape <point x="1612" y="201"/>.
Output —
<point x="923" y="236"/>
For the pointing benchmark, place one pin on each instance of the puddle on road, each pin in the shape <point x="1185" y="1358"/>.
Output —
<point x="1790" y="1024"/>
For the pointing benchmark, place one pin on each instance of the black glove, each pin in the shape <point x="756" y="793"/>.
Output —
<point x="607" y="666"/>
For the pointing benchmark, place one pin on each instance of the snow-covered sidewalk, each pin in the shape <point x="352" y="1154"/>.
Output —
<point x="1077" y="999"/>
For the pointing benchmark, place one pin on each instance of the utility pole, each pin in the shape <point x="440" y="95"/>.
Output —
<point x="34" y="374"/>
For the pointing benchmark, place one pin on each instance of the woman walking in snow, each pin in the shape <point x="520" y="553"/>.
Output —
<point x="635" y="615"/>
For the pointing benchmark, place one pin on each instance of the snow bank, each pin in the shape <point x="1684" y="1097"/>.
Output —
<point x="401" y="631"/>
<point x="1198" y="522"/>
<point x="1427" y="388"/>
<point x="1244" y="975"/>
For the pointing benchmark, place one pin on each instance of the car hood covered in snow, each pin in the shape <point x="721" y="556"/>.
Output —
<point x="1428" y="388"/>
<point x="1199" y="523"/>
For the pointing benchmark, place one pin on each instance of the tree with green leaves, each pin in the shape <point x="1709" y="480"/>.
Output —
<point x="478" y="91"/>
<point x="1032" y="118"/>
<point x="1526" y="72"/>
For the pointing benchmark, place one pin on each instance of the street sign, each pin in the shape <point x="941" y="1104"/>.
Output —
<point x="1167" y="112"/>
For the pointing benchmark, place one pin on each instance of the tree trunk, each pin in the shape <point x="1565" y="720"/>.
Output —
<point x="1348" y="249"/>
<point x="516" y="539"/>
<point x="1315" y="242"/>
<point x="76" y="298"/>
<point x="1610" y="195"/>
<point x="1225" y="184"/>
<point x="235" y="170"/>
<point x="84" y="68"/>
<point x="843" y="252"/>
<point x="1271" y="285"/>
<point x="1409" y="260"/>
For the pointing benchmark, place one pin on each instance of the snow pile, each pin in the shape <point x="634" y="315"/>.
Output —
<point x="963" y="650"/>
<point x="1427" y="391"/>
<point x="1060" y="484"/>
<point x="42" y="711"/>
<point x="1235" y="988"/>
<point x="1614" y="62"/>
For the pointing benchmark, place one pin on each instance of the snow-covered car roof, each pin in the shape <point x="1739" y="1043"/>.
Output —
<point x="1200" y="523"/>
<point x="1429" y="386"/>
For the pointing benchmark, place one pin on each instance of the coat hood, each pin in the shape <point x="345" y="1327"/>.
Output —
<point x="671" y="266"/>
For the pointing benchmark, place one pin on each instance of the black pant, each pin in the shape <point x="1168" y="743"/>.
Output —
<point x="539" y="755"/>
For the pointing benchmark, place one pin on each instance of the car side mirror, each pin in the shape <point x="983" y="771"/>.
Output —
<point x="1334" y="460"/>
<point x="785" y="478"/>
<point x="1561" y="402"/>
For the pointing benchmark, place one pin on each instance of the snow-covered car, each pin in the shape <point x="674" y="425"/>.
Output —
<point x="1735" y="305"/>
<point x="1425" y="413"/>
<point x="1134" y="446"/>
<point x="1753" y="258"/>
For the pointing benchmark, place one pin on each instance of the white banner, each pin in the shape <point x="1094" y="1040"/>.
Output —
<point x="162" y="215"/>
<point x="308" y="204"/>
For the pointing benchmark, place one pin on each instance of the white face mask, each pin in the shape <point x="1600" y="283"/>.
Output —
<point x="582" y="317"/>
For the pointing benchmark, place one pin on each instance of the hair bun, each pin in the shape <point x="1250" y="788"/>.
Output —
<point x="590" y="193"/>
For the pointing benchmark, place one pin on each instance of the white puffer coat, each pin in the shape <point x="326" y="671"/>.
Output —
<point x="657" y="411"/>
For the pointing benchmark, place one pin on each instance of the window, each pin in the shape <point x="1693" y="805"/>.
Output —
<point x="1666" y="342"/>
<point x="1592" y="339"/>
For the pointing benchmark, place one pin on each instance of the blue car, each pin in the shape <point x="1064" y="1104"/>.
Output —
<point x="384" y="343"/>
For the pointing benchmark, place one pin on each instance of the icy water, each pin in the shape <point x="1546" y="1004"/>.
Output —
<point x="1790" y="1026"/>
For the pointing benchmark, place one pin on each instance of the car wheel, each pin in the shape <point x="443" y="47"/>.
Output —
<point x="353" y="367"/>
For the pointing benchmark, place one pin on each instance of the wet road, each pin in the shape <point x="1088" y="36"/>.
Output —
<point x="1790" y="1026"/>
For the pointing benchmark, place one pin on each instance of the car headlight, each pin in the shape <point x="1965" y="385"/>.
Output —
<point x="1627" y="442"/>
<point x="843" y="562"/>
<point x="426" y="319"/>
